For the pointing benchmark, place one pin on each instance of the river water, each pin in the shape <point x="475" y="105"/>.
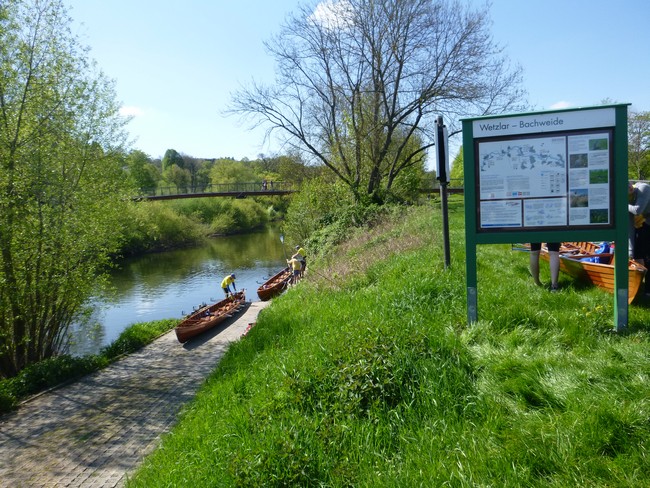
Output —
<point x="171" y="284"/>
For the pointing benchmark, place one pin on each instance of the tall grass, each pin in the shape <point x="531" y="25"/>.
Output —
<point x="367" y="374"/>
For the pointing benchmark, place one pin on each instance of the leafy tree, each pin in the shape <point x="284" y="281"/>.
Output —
<point x="172" y="157"/>
<point x="179" y="176"/>
<point x="319" y="203"/>
<point x="199" y="171"/>
<point x="639" y="145"/>
<point x="61" y="179"/>
<point x="457" y="172"/>
<point x="231" y="171"/>
<point x="142" y="173"/>
<point x="358" y="81"/>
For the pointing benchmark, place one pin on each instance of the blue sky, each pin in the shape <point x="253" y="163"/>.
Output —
<point x="177" y="63"/>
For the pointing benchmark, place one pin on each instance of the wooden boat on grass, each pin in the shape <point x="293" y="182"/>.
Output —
<point x="582" y="261"/>
<point x="275" y="285"/>
<point x="207" y="317"/>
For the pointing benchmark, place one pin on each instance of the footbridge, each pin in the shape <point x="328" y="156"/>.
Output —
<point x="241" y="190"/>
<point x="232" y="190"/>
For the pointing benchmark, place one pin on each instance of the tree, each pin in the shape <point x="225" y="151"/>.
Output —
<point x="142" y="173"/>
<point x="231" y="171"/>
<point x="61" y="180"/>
<point x="179" y="176"/>
<point x="457" y="172"/>
<point x="172" y="157"/>
<point x="359" y="80"/>
<point x="639" y="145"/>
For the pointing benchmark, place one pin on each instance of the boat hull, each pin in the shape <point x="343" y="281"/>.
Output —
<point x="598" y="274"/>
<point x="275" y="285"/>
<point x="208" y="317"/>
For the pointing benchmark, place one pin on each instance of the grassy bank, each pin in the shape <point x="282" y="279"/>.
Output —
<point x="367" y="374"/>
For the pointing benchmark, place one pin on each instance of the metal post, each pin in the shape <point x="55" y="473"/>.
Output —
<point x="442" y="174"/>
<point x="445" y="222"/>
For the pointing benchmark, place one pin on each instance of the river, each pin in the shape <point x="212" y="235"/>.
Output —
<point x="171" y="284"/>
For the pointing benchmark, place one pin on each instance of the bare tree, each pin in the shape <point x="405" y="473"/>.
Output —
<point x="358" y="81"/>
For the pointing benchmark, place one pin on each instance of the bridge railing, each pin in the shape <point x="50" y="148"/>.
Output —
<point x="255" y="188"/>
<point x="258" y="187"/>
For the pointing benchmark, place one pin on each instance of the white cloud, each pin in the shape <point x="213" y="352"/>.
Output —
<point x="331" y="14"/>
<point x="561" y="104"/>
<point x="131" y="111"/>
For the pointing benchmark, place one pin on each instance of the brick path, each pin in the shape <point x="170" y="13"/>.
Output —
<point x="94" y="432"/>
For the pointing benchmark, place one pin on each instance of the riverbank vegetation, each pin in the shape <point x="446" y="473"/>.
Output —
<point x="367" y="374"/>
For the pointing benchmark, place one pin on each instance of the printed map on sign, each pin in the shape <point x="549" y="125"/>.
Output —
<point x="523" y="168"/>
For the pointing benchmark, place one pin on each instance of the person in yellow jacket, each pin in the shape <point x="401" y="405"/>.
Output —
<point x="296" y="266"/>
<point x="226" y="282"/>
<point x="301" y="256"/>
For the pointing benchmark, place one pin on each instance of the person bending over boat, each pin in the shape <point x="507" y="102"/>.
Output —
<point x="225" y="284"/>
<point x="301" y="256"/>
<point x="295" y="264"/>
<point x="554" y="259"/>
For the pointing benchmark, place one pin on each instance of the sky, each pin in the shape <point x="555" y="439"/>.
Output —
<point x="176" y="64"/>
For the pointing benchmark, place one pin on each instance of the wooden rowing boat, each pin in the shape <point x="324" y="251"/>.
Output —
<point x="207" y="317"/>
<point x="577" y="259"/>
<point x="275" y="285"/>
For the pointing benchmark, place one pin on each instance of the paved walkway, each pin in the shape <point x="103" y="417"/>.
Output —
<point x="96" y="431"/>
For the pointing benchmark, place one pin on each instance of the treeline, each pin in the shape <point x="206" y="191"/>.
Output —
<point x="183" y="171"/>
<point x="323" y="200"/>
<point x="158" y="226"/>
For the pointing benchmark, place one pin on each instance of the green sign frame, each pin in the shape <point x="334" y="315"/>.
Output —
<point x="504" y="208"/>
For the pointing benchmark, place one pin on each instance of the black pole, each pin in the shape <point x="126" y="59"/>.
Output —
<point x="443" y="178"/>
<point x="445" y="222"/>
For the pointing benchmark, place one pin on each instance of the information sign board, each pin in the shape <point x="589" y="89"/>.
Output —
<point x="528" y="177"/>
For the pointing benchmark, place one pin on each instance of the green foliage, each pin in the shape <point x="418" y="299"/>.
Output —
<point x="136" y="337"/>
<point x="231" y="171"/>
<point x="639" y="145"/>
<point x="457" y="172"/>
<point x="143" y="175"/>
<point x="159" y="226"/>
<point x="172" y="158"/>
<point x="62" y="186"/>
<point x="239" y="216"/>
<point x="338" y="224"/>
<point x="156" y="226"/>
<point x="45" y="374"/>
<point x="315" y="206"/>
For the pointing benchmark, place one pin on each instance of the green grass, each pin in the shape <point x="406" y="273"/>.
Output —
<point x="367" y="374"/>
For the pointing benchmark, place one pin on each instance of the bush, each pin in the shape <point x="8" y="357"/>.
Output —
<point x="156" y="226"/>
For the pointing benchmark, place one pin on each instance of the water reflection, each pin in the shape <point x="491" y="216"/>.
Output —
<point x="171" y="284"/>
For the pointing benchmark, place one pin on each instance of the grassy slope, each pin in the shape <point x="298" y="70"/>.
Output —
<point x="367" y="374"/>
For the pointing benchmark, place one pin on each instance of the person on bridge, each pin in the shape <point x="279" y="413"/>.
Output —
<point x="301" y="256"/>
<point x="225" y="284"/>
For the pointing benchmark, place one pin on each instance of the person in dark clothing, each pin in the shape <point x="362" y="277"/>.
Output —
<point x="554" y="258"/>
